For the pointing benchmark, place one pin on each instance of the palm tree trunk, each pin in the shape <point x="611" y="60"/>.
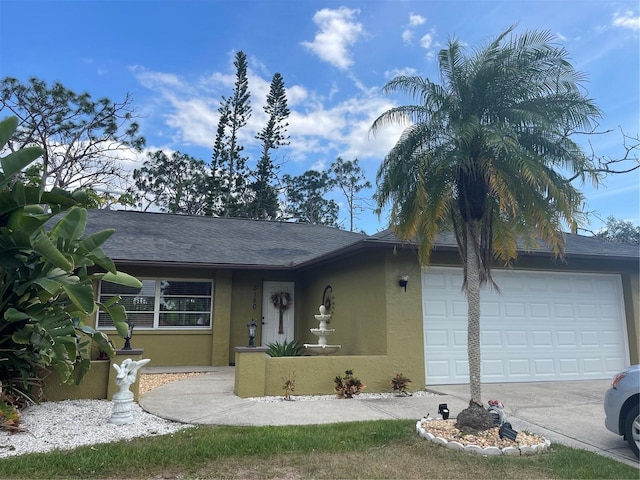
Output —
<point x="473" y="305"/>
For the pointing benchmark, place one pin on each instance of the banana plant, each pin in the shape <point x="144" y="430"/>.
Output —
<point x="48" y="269"/>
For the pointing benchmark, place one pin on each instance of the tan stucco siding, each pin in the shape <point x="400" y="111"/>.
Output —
<point x="405" y="343"/>
<point x="359" y="314"/>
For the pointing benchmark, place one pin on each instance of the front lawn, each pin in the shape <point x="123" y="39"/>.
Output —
<point x="373" y="450"/>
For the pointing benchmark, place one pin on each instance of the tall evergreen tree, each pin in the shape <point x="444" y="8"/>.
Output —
<point x="264" y="203"/>
<point x="229" y="167"/>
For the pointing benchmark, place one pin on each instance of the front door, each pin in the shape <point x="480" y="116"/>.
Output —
<point x="277" y="312"/>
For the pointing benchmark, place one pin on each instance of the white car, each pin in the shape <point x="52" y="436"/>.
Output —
<point x="622" y="405"/>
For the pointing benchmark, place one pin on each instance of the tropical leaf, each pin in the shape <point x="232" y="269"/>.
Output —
<point x="120" y="278"/>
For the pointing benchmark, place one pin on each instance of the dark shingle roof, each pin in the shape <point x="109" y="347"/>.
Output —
<point x="163" y="238"/>
<point x="184" y="239"/>
<point x="575" y="246"/>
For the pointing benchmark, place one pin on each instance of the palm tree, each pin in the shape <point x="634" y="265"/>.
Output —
<point x="487" y="153"/>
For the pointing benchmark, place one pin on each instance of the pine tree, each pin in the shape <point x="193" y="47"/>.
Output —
<point x="264" y="204"/>
<point x="228" y="182"/>
<point x="350" y="179"/>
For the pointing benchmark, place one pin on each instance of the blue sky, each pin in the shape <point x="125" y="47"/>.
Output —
<point x="176" y="60"/>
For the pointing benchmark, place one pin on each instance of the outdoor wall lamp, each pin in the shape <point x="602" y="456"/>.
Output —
<point x="127" y="338"/>
<point x="403" y="282"/>
<point x="252" y="326"/>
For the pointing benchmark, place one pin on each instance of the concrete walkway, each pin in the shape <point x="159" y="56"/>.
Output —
<point x="569" y="413"/>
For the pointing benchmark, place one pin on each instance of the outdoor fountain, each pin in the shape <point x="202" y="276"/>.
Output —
<point x="322" y="332"/>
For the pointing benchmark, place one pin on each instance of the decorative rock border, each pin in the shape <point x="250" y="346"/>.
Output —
<point x="488" y="451"/>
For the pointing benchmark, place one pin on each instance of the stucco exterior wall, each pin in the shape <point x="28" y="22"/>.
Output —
<point x="359" y="314"/>
<point x="373" y="316"/>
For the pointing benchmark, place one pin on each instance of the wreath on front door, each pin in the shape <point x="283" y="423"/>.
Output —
<point x="282" y="301"/>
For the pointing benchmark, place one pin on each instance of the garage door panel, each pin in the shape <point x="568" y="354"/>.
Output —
<point x="566" y="338"/>
<point x="517" y="338"/>
<point x="592" y="365"/>
<point x="543" y="326"/>
<point x="587" y="311"/>
<point x="460" y="339"/>
<point x="437" y="338"/>
<point x="541" y="338"/>
<point x="568" y="366"/>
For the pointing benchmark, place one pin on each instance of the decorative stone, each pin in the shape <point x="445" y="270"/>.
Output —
<point x="439" y="440"/>
<point x="510" y="451"/>
<point x="526" y="450"/>
<point x="547" y="444"/>
<point x="491" y="451"/>
<point x="453" y="445"/>
<point x="474" y="449"/>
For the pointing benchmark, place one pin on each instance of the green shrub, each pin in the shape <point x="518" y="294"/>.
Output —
<point x="349" y="385"/>
<point x="399" y="384"/>
<point x="286" y="349"/>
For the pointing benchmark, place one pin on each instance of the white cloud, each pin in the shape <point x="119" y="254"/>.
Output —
<point x="415" y="20"/>
<point x="338" y="31"/>
<point x="397" y="72"/>
<point x="627" y="19"/>
<point x="408" y="33"/>
<point x="426" y="41"/>
<point x="407" y="37"/>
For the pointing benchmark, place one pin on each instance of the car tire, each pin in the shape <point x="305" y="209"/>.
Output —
<point x="632" y="429"/>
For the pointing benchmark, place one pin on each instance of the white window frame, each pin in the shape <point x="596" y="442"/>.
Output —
<point x="156" y="305"/>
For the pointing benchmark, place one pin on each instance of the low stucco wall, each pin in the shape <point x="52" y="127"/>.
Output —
<point x="94" y="384"/>
<point x="257" y="374"/>
<point x="98" y="384"/>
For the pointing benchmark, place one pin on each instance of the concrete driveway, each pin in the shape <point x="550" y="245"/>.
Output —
<point x="570" y="413"/>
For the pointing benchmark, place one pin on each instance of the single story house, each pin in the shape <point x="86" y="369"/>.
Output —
<point x="204" y="279"/>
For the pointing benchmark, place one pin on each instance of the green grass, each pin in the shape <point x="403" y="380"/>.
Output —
<point x="377" y="449"/>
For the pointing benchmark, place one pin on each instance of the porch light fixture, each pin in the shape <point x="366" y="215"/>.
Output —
<point x="443" y="410"/>
<point x="403" y="282"/>
<point x="252" y="326"/>
<point x="127" y="338"/>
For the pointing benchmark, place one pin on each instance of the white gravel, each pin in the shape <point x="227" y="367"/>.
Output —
<point x="72" y="423"/>
<point x="361" y="396"/>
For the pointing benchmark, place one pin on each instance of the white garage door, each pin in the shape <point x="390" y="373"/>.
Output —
<point x="542" y="326"/>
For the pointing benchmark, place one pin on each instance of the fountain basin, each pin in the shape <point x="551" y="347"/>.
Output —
<point x="322" y="349"/>
<point x="322" y="332"/>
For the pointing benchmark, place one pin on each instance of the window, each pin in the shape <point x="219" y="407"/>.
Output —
<point x="162" y="303"/>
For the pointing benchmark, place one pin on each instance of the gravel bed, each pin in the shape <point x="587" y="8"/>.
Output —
<point x="362" y="396"/>
<point x="72" y="423"/>
<point x="488" y="438"/>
